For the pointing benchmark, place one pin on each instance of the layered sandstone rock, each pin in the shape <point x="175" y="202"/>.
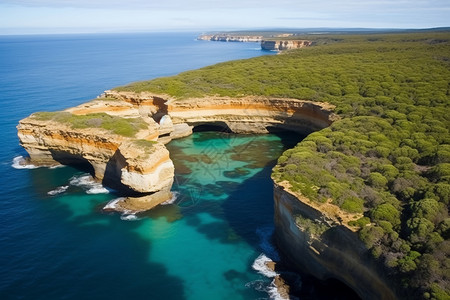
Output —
<point x="141" y="164"/>
<point x="253" y="114"/>
<point x="230" y="38"/>
<point x="279" y="45"/>
<point x="120" y="162"/>
<point x="124" y="163"/>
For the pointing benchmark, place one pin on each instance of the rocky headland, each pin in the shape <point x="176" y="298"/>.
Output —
<point x="120" y="136"/>
<point x="136" y="161"/>
<point x="230" y="38"/>
<point x="279" y="45"/>
<point x="278" y="42"/>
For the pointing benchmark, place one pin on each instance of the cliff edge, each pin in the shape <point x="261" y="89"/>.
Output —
<point x="120" y="136"/>
<point x="319" y="244"/>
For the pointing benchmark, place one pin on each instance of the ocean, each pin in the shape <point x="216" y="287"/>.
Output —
<point x="56" y="239"/>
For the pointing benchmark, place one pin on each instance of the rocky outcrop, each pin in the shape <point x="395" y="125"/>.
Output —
<point x="118" y="161"/>
<point x="230" y="38"/>
<point x="275" y="43"/>
<point x="279" y="45"/>
<point x="330" y="251"/>
<point x="140" y="163"/>
<point x="253" y="114"/>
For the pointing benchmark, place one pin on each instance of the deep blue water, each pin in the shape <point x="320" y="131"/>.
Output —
<point x="56" y="242"/>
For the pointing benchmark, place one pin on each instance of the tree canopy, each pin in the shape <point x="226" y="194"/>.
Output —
<point x="389" y="155"/>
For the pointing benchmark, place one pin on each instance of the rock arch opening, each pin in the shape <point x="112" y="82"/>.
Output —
<point x="212" y="126"/>
<point x="73" y="160"/>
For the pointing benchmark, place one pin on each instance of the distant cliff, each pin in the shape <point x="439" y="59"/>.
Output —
<point x="230" y="38"/>
<point x="273" y="42"/>
<point x="278" y="45"/>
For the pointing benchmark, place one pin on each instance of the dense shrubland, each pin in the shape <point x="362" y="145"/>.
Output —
<point x="389" y="155"/>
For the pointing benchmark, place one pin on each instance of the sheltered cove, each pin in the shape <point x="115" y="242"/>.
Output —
<point x="140" y="164"/>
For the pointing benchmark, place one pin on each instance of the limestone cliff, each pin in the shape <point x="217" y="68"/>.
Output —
<point x="230" y="38"/>
<point x="327" y="249"/>
<point x="120" y="162"/>
<point x="278" y="45"/>
<point x="134" y="159"/>
<point x="138" y="161"/>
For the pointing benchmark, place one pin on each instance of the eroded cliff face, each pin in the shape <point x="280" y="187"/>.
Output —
<point x="118" y="161"/>
<point x="230" y="38"/>
<point x="253" y="114"/>
<point x="327" y="249"/>
<point x="128" y="164"/>
<point x="140" y="163"/>
<point x="279" y="45"/>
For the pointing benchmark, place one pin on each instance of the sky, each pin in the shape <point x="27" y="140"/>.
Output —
<point x="82" y="16"/>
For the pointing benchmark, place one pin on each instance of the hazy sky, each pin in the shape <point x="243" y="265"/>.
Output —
<point x="59" y="16"/>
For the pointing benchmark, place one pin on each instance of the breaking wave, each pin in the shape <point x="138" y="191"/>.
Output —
<point x="171" y="200"/>
<point x="112" y="205"/>
<point x="261" y="267"/>
<point x="19" y="162"/>
<point x="129" y="217"/>
<point x="58" y="190"/>
<point x="88" y="184"/>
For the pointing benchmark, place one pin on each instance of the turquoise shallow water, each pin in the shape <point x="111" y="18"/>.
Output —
<point x="201" y="246"/>
<point x="226" y="212"/>
<point x="56" y="242"/>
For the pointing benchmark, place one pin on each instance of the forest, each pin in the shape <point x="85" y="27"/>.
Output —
<point x="387" y="158"/>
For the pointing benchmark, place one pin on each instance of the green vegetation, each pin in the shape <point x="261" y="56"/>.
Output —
<point x="146" y="146"/>
<point x="311" y="227"/>
<point x="117" y="125"/>
<point x="389" y="155"/>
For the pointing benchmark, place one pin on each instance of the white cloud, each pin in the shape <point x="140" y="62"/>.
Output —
<point x="146" y="15"/>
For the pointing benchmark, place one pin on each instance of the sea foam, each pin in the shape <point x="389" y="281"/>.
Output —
<point x="260" y="265"/>
<point x="19" y="162"/>
<point x="129" y="217"/>
<point x="171" y="200"/>
<point x="112" y="205"/>
<point x="58" y="190"/>
<point x="88" y="184"/>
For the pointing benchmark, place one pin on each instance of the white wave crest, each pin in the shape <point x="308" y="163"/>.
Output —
<point x="20" y="162"/>
<point x="129" y="217"/>
<point x="260" y="265"/>
<point x="272" y="290"/>
<point x="58" y="190"/>
<point x="112" y="205"/>
<point x="97" y="190"/>
<point x="171" y="200"/>
<point x="57" y="167"/>
<point x="89" y="184"/>
<point x="263" y="286"/>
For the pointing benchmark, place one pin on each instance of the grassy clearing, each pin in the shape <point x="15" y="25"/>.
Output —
<point x="117" y="125"/>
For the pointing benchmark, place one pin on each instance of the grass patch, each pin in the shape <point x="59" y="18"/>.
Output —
<point x="122" y="126"/>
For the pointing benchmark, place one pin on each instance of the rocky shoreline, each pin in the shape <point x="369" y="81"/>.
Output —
<point x="139" y="165"/>
<point x="277" y="42"/>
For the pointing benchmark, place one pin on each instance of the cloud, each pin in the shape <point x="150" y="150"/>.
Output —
<point x="118" y="15"/>
<point x="236" y="4"/>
